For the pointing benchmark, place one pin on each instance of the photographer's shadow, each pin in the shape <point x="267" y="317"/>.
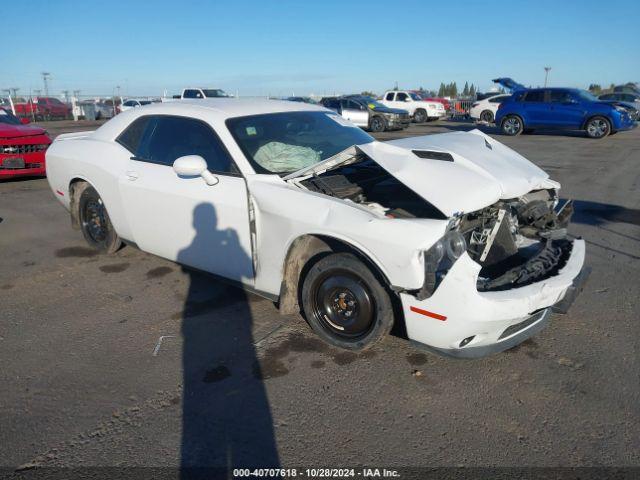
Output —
<point x="226" y="419"/>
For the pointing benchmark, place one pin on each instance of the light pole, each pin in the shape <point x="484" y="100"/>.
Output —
<point x="546" y="75"/>
<point x="45" y="79"/>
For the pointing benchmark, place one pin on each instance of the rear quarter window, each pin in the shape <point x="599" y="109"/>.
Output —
<point x="131" y="137"/>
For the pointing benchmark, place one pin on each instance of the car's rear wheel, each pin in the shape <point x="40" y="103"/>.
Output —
<point x="512" y="125"/>
<point x="420" y="116"/>
<point x="345" y="304"/>
<point x="598" y="127"/>
<point x="377" y="124"/>
<point x="95" y="223"/>
<point x="487" y="116"/>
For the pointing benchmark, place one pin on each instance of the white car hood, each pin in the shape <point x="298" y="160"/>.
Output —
<point x="483" y="171"/>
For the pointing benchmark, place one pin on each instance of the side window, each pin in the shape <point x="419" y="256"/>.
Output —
<point x="534" y="96"/>
<point x="401" y="97"/>
<point x="190" y="94"/>
<point x="389" y="97"/>
<point x="497" y="99"/>
<point x="559" y="96"/>
<point x="169" y="138"/>
<point x="608" y="96"/>
<point x="132" y="136"/>
<point x="128" y="103"/>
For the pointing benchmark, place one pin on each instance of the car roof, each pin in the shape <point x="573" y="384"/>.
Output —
<point x="215" y="109"/>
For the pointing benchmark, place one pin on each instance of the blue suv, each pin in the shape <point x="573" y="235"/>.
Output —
<point x="560" y="108"/>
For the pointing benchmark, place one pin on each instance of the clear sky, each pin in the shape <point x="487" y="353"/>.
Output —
<point x="280" y="47"/>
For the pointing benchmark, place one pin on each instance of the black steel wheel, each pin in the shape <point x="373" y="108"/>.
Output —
<point x="598" y="127"/>
<point x="94" y="221"/>
<point x="420" y="116"/>
<point x="512" y="125"/>
<point x="377" y="124"/>
<point x="486" y="116"/>
<point x="345" y="304"/>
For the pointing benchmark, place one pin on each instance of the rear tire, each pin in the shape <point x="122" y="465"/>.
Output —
<point x="597" y="127"/>
<point x="95" y="223"/>
<point x="345" y="304"/>
<point x="487" y="116"/>
<point x="512" y="125"/>
<point x="420" y="116"/>
<point x="377" y="124"/>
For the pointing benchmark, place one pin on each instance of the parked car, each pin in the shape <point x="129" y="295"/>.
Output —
<point x="42" y="108"/>
<point x="419" y="109"/>
<point x="22" y="147"/>
<point x="485" y="110"/>
<point x="561" y="108"/>
<point x="198" y="92"/>
<point x="133" y="103"/>
<point x="367" y="113"/>
<point x="295" y="203"/>
<point x="301" y="99"/>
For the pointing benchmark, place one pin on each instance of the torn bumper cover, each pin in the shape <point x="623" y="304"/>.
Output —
<point x="460" y="321"/>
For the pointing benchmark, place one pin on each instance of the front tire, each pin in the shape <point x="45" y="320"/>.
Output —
<point x="512" y="125"/>
<point x="420" y="116"/>
<point x="487" y="116"/>
<point x="598" y="127"/>
<point x="95" y="223"/>
<point x="345" y="304"/>
<point x="377" y="124"/>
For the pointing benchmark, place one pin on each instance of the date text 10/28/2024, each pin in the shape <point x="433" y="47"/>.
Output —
<point x="315" y="473"/>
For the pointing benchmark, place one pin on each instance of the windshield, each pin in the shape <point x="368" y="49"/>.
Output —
<point x="372" y="103"/>
<point x="584" y="95"/>
<point x="10" y="118"/>
<point x="286" y="142"/>
<point x="215" y="92"/>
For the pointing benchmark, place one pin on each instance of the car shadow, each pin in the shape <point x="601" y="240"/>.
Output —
<point x="226" y="417"/>
<point x="595" y="213"/>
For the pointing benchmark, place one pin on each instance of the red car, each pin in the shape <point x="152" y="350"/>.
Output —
<point x="43" y="107"/>
<point x="22" y="148"/>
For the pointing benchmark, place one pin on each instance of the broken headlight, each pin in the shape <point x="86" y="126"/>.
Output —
<point x="439" y="259"/>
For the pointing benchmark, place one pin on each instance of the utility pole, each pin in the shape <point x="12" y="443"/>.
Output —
<point x="66" y="95"/>
<point x="37" y="92"/>
<point x="46" y="76"/>
<point x="546" y="75"/>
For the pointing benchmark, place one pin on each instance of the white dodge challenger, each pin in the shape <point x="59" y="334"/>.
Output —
<point x="455" y="237"/>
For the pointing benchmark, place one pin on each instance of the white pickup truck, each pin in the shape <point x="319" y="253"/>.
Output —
<point x="420" y="110"/>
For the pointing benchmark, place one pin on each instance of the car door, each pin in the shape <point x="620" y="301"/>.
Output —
<point x="355" y="112"/>
<point x="185" y="219"/>
<point x="535" y="109"/>
<point x="566" y="111"/>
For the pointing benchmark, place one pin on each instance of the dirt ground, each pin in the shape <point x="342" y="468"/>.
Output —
<point x="130" y="360"/>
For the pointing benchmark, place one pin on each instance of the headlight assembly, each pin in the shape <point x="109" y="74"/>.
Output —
<point x="439" y="259"/>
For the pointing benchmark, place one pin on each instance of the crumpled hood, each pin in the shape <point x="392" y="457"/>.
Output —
<point x="13" y="131"/>
<point x="482" y="172"/>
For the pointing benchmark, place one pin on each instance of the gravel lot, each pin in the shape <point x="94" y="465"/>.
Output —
<point x="103" y="363"/>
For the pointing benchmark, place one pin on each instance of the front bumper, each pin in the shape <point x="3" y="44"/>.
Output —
<point x="395" y="123"/>
<point x="34" y="166"/>
<point x="459" y="321"/>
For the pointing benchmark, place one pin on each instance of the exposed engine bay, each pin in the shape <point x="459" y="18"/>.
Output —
<point x="518" y="241"/>
<point x="368" y="184"/>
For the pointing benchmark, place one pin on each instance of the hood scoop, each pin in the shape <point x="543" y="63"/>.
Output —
<point x="431" y="155"/>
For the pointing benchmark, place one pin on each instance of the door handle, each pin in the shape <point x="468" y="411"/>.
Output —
<point x="131" y="175"/>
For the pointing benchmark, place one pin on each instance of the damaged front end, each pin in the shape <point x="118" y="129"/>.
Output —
<point x="518" y="241"/>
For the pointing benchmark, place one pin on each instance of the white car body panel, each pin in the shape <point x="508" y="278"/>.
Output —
<point x="151" y="206"/>
<point x="486" y="104"/>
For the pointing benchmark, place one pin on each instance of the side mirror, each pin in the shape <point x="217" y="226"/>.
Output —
<point x="24" y="121"/>
<point x="194" y="166"/>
